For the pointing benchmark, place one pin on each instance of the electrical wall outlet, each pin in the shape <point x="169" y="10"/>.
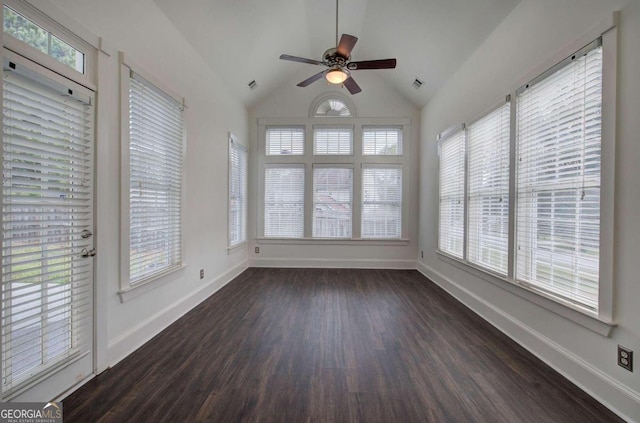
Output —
<point x="257" y="250"/>
<point x="625" y="358"/>
<point x="201" y="273"/>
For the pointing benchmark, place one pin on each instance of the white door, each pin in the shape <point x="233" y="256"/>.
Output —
<point x="47" y="232"/>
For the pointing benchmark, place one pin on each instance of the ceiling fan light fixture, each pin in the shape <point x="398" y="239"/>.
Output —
<point x="337" y="76"/>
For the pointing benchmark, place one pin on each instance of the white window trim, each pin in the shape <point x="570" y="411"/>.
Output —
<point x="234" y="247"/>
<point x="356" y="159"/>
<point x="602" y="321"/>
<point x="127" y="290"/>
<point x="87" y="79"/>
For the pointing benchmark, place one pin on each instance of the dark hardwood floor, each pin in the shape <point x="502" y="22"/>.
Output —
<point x="329" y="345"/>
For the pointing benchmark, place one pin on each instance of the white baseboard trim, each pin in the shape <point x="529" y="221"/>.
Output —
<point x="619" y="398"/>
<point x="333" y="264"/>
<point x="134" y="338"/>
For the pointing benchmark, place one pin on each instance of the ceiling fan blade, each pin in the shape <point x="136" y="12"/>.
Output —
<point x="352" y="86"/>
<point x="312" y="79"/>
<point x="300" y="59"/>
<point x="373" y="64"/>
<point x="346" y="45"/>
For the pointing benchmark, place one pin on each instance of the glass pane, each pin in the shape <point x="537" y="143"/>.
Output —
<point x="332" y="198"/>
<point x="284" y="202"/>
<point x="24" y="30"/>
<point x="382" y="141"/>
<point x="330" y="141"/>
<point x="66" y="54"/>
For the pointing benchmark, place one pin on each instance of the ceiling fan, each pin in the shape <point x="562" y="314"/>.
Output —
<point x="337" y="60"/>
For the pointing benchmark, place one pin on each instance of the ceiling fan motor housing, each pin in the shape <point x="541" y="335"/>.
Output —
<point x="332" y="58"/>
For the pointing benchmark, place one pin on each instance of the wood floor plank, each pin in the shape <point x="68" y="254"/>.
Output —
<point x="331" y="345"/>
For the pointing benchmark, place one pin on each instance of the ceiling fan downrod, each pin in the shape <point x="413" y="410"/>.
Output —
<point x="337" y="23"/>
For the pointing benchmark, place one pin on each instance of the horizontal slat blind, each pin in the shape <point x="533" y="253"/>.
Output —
<point x="284" y="202"/>
<point x="332" y="141"/>
<point x="381" y="141"/>
<point x="155" y="177"/>
<point x="332" y="202"/>
<point x="488" y="190"/>
<point x="451" y="220"/>
<point x="558" y="189"/>
<point x="281" y="141"/>
<point x="381" y="202"/>
<point x="237" y="193"/>
<point x="47" y="203"/>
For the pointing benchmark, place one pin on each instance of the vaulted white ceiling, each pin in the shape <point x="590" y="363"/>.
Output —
<point x="242" y="40"/>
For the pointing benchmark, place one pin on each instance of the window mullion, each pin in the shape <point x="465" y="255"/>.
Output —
<point x="465" y="195"/>
<point x="513" y="154"/>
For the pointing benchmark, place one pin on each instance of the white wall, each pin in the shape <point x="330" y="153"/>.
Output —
<point x="149" y="39"/>
<point x="531" y="35"/>
<point x="376" y="100"/>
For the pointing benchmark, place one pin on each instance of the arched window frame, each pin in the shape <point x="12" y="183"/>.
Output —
<point x="320" y="100"/>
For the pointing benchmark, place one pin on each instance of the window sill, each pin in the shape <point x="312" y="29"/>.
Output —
<point x="237" y="247"/>
<point x="151" y="283"/>
<point x="581" y="316"/>
<point x="332" y="241"/>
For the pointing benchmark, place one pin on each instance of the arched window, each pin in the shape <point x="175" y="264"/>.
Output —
<point x="332" y="106"/>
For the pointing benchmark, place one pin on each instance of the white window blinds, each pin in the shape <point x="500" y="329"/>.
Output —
<point x="282" y="141"/>
<point x="381" y="141"/>
<point x="47" y="204"/>
<point x="237" y="193"/>
<point x="381" y="202"/>
<point x="155" y="180"/>
<point x="558" y="180"/>
<point x="284" y="201"/>
<point x="332" y="141"/>
<point x="488" y="190"/>
<point x="332" y="200"/>
<point x="451" y="212"/>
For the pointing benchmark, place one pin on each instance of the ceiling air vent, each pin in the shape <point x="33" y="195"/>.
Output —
<point x="253" y="85"/>
<point x="417" y="84"/>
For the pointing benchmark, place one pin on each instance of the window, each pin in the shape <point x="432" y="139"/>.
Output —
<point x="381" y="202"/>
<point x="285" y="141"/>
<point x="155" y="161"/>
<point x="332" y="201"/>
<point x="544" y="234"/>
<point x="27" y="31"/>
<point x="333" y="107"/>
<point x="332" y="193"/>
<point x="332" y="141"/>
<point x="451" y="221"/>
<point x="237" y="192"/>
<point x="284" y="201"/>
<point x="488" y="193"/>
<point x="558" y="185"/>
<point x="381" y="141"/>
